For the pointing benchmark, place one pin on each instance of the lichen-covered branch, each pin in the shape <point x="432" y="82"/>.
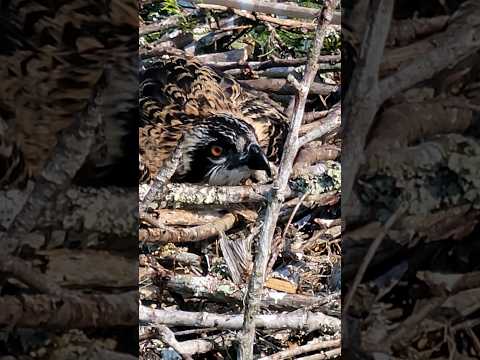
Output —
<point x="109" y="210"/>
<point x="416" y="175"/>
<point x="191" y="195"/>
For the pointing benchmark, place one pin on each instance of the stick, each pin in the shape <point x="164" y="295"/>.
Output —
<point x="331" y="122"/>
<point x="282" y="86"/>
<point x="69" y="155"/>
<point x="66" y="312"/>
<point x="87" y="208"/>
<point x="298" y="350"/>
<point x="225" y="291"/>
<point x="195" y="346"/>
<point x="161" y="179"/>
<point x="369" y="256"/>
<point x="262" y="65"/>
<point x="361" y="104"/>
<point x="168" y="23"/>
<point x="458" y="42"/>
<point x="194" y="196"/>
<point x="330" y="354"/>
<point x="168" y="337"/>
<point x="268" y="7"/>
<point x="165" y="234"/>
<point x="280" y="185"/>
<point x="23" y="271"/>
<point x="301" y="321"/>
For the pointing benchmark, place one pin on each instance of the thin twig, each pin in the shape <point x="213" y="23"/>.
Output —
<point x="329" y="123"/>
<point x="161" y="179"/>
<point x="245" y="351"/>
<point x="369" y="255"/>
<point x="292" y="215"/>
<point x="361" y="101"/>
<point x="298" y="350"/>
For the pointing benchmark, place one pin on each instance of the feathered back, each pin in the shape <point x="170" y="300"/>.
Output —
<point x="58" y="51"/>
<point x="177" y="92"/>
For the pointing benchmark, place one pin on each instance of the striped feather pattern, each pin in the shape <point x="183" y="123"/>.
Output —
<point x="177" y="94"/>
<point x="56" y="52"/>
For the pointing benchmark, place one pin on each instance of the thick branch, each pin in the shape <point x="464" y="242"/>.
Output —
<point x="268" y="7"/>
<point x="101" y="210"/>
<point x="361" y="102"/>
<point x="300" y="321"/>
<point x="78" y="311"/>
<point x="70" y="153"/>
<point x="164" y="234"/>
<point x="191" y="195"/>
<point x="452" y="46"/>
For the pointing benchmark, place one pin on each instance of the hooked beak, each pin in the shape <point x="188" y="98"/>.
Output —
<point x="257" y="159"/>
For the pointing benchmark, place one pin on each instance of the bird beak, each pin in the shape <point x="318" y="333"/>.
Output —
<point x="257" y="159"/>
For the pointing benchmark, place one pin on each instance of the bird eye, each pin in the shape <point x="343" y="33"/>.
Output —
<point x="216" y="150"/>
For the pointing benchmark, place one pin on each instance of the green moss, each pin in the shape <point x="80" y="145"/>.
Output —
<point x="310" y="3"/>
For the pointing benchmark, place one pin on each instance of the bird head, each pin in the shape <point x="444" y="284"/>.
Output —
<point x="220" y="150"/>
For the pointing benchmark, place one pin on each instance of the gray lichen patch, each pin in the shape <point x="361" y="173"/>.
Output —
<point x="316" y="184"/>
<point x="440" y="173"/>
<point x="95" y="210"/>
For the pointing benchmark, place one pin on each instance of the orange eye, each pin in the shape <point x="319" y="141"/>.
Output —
<point x="216" y="150"/>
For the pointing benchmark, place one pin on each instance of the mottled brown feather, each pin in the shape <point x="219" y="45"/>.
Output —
<point x="58" y="53"/>
<point x="177" y="92"/>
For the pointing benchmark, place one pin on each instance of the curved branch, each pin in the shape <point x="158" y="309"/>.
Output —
<point x="162" y="233"/>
